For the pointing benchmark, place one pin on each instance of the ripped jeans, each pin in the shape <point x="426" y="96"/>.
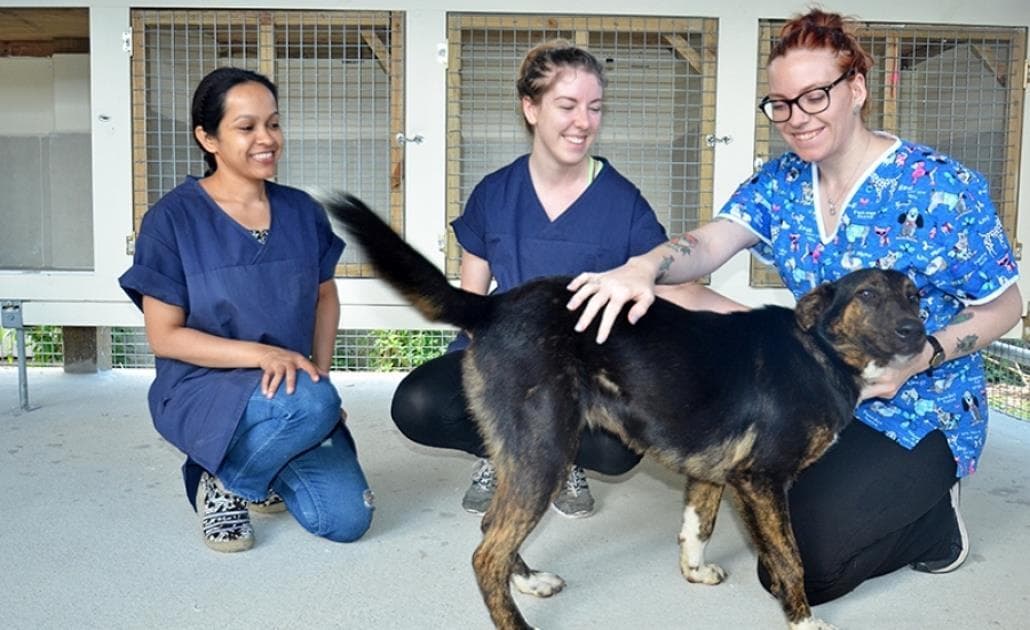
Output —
<point x="296" y="445"/>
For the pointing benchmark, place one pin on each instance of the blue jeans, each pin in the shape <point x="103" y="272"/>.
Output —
<point x="296" y="445"/>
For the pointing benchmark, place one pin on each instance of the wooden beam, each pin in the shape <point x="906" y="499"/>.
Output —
<point x="378" y="49"/>
<point x="684" y="49"/>
<point x="990" y="60"/>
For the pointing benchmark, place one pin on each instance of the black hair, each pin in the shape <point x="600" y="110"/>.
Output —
<point x="208" y="106"/>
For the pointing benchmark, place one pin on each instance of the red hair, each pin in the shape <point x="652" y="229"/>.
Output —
<point x="819" y="29"/>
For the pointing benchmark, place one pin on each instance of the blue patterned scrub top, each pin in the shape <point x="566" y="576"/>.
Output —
<point x="919" y="212"/>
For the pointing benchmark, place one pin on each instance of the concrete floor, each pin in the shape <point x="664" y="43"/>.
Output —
<point x="95" y="533"/>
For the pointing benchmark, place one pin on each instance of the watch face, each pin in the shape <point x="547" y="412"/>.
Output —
<point x="938" y="352"/>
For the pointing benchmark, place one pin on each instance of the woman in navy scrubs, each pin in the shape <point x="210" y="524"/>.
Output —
<point x="235" y="278"/>
<point x="557" y="211"/>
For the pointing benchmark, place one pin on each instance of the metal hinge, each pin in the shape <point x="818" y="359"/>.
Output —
<point x="130" y="245"/>
<point x="441" y="242"/>
<point x="442" y="54"/>
<point x="1018" y="250"/>
<point x="127" y="41"/>
<point x="1026" y="74"/>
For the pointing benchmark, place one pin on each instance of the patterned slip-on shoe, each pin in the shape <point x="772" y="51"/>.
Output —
<point x="273" y="504"/>
<point x="224" y="519"/>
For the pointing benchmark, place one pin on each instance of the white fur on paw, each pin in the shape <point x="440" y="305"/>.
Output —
<point x="704" y="574"/>
<point x="538" y="583"/>
<point x="812" y="623"/>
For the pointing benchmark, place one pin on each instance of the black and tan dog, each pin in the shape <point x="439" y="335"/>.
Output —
<point x="746" y="400"/>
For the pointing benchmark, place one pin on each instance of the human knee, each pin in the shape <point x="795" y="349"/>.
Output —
<point x="822" y="583"/>
<point x="317" y="404"/>
<point x="346" y="522"/>
<point x="605" y="454"/>
<point x="411" y="408"/>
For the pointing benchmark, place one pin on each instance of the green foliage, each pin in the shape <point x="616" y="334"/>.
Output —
<point x="394" y="350"/>
<point x="44" y="345"/>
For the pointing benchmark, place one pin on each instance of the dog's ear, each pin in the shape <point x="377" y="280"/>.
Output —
<point x="812" y="305"/>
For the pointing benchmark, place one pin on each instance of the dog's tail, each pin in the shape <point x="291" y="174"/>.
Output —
<point x="417" y="279"/>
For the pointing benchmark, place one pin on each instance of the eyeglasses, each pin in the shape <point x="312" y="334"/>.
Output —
<point x="814" y="101"/>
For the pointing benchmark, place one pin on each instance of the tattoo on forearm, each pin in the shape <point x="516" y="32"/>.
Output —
<point x="683" y="244"/>
<point x="966" y="344"/>
<point x="964" y="316"/>
<point x="663" y="268"/>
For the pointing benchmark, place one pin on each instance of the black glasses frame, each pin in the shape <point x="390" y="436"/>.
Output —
<point x="796" y="101"/>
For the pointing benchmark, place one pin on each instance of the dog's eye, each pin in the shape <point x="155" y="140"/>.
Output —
<point x="866" y="294"/>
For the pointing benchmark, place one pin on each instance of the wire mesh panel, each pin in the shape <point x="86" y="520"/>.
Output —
<point x="960" y="91"/>
<point x="1008" y="377"/>
<point x="356" y="350"/>
<point x="340" y="79"/>
<point x="659" y="104"/>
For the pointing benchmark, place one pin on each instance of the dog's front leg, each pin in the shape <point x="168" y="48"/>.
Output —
<point x="763" y="507"/>
<point x="701" y="504"/>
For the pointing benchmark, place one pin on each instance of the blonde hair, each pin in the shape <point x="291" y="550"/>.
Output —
<point x="542" y="62"/>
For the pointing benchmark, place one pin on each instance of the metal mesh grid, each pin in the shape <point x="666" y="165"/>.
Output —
<point x="659" y="105"/>
<point x="44" y="346"/>
<point x="960" y="92"/>
<point x="1008" y="378"/>
<point x="1007" y="361"/>
<point x="356" y="350"/>
<point x="339" y="76"/>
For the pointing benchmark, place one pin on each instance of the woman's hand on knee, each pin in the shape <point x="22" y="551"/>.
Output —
<point x="279" y="366"/>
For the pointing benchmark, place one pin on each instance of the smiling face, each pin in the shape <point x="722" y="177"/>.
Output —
<point x="567" y="117"/>
<point x="816" y="137"/>
<point x="249" y="140"/>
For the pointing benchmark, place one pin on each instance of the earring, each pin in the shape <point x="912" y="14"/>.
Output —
<point x="856" y="109"/>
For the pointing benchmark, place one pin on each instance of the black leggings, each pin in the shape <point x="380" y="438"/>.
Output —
<point x="870" y="507"/>
<point x="429" y="407"/>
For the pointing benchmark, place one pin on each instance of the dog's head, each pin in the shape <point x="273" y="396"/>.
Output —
<point x="869" y="317"/>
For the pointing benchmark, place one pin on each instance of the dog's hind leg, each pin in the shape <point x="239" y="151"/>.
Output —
<point x="763" y="507"/>
<point x="701" y="504"/>
<point x="521" y="499"/>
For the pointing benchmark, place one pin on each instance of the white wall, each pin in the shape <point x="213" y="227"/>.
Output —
<point x="94" y="298"/>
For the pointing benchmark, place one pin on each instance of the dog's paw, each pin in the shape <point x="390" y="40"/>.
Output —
<point x="811" y="623"/>
<point x="538" y="583"/>
<point x="704" y="574"/>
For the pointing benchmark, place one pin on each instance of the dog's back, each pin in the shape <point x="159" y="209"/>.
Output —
<point x="671" y="383"/>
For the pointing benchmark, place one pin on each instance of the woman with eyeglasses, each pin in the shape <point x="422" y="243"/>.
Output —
<point x="845" y="197"/>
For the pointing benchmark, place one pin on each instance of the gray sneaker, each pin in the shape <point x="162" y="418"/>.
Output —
<point x="484" y="482"/>
<point x="575" y="500"/>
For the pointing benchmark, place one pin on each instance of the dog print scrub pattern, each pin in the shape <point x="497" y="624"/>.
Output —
<point x="917" y="211"/>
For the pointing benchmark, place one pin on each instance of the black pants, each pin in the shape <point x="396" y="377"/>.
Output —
<point x="429" y="407"/>
<point x="870" y="507"/>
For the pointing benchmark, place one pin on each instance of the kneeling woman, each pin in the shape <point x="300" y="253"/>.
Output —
<point x="234" y="275"/>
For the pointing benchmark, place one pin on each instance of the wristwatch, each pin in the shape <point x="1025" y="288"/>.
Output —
<point x="938" y="352"/>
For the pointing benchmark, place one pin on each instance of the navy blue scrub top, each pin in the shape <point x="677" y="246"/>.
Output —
<point x="505" y="224"/>
<point x="191" y="254"/>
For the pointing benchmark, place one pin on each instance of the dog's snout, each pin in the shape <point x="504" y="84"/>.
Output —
<point x="908" y="328"/>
